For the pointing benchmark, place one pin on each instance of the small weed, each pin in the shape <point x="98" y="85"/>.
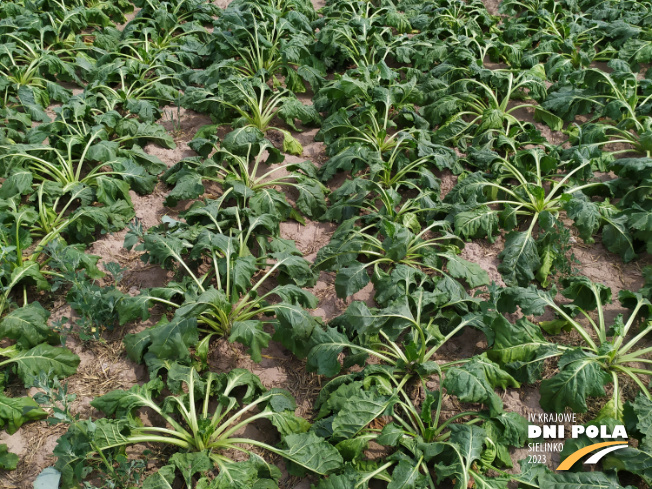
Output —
<point x="175" y="118"/>
<point x="55" y="396"/>
<point x="122" y="473"/>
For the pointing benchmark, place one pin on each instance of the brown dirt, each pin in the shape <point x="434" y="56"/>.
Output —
<point x="492" y="6"/>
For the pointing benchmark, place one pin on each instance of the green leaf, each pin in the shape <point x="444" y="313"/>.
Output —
<point x="585" y="293"/>
<point x="567" y="102"/>
<point x="288" y="423"/>
<point x="57" y="361"/>
<point x="28" y="98"/>
<point x="641" y="409"/>
<point x="491" y="119"/>
<point x="406" y="475"/>
<point x="344" y="481"/>
<point x="311" y="452"/>
<point x="161" y="479"/>
<point x="137" y="308"/>
<point x="586" y="216"/>
<point x="188" y="186"/>
<point x="580" y="375"/>
<point x="31" y="271"/>
<point x="520" y="347"/>
<point x="578" y="480"/>
<point x="297" y="296"/>
<point x="552" y="121"/>
<point x="472" y="273"/>
<point x="350" y="280"/>
<point x="520" y="259"/>
<point x="506" y="430"/>
<point x="475" y="381"/>
<point x="634" y="460"/>
<point x="254" y="473"/>
<point x="8" y="460"/>
<point x="121" y="402"/>
<point x="468" y="441"/>
<point x="555" y="326"/>
<point x="243" y="139"/>
<point x="250" y="333"/>
<point x="103" y="151"/>
<point x="111" y="190"/>
<point x="311" y="201"/>
<point x="172" y="340"/>
<point x="28" y="326"/>
<point x="478" y="222"/>
<point x="164" y="341"/>
<point x="531" y="300"/>
<point x="16" y="411"/>
<point x="293" y="108"/>
<point x="548" y="254"/>
<point x="18" y="183"/>
<point x="352" y="449"/>
<point x="294" y="269"/>
<point x="295" y="327"/>
<point x="324" y="355"/>
<point x="190" y="464"/>
<point x="616" y="237"/>
<point x="291" y="145"/>
<point x="358" y="412"/>
<point x="397" y="240"/>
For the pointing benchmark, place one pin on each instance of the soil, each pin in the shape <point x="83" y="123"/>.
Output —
<point x="105" y="366"/>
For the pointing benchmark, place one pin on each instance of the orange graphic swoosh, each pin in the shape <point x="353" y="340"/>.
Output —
<point x="574" y="457"/>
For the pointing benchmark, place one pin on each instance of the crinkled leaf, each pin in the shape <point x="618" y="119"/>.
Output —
<point x="580" y="376"/>
<point x="28" y="326"/>
<point x="250" y="333"/>
<point x="308" y="451"/>
<point x="520" y="259"/>
<point x="16" y="411"/>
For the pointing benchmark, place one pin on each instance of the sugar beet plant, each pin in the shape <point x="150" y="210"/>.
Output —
<point x="224" y="259"/>
<point x="619" y="99"/>
<point x="474" y="113"/>
<point x="70" y="191"/>
<point x="271" y="38"/>
<point x="428" y="447"/>
<point x="31" y="351"/>
<point x="527" y="191"/>
<point x="253" y="178"/>
<point x="408" y="336"/>
<point x="250" y="102"/>
<point x="28" y="232"/>
<point x="380" y="245"/>
<point x="203" y="422"/>
<point x="609" y="353"/>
